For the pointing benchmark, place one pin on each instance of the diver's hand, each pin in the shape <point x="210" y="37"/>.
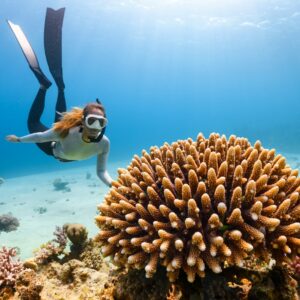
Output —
<point x="12" y="138"/>
<point x="105" y="177"/>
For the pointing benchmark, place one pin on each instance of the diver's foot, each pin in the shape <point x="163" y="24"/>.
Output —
<point x="53" y="44"/>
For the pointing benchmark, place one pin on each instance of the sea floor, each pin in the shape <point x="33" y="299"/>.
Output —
<point x="40" y="207"/>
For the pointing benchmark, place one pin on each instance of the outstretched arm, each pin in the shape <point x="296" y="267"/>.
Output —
<point x="101" y="163"/>
<point x="38" y="137"/>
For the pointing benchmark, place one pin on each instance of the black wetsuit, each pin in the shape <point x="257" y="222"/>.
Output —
<point x="34" y="118"/>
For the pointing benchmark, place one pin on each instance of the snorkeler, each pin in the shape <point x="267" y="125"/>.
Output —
<point x="75" y="135"/>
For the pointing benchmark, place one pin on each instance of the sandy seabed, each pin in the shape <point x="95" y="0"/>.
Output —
<point x="40" y="208"/>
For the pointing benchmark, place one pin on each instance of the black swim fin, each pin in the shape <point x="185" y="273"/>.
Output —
<point x="53" y="44"/>
<point x="29" y="55"/>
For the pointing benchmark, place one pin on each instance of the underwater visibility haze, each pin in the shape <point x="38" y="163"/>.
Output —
<point x="165" y="70"/>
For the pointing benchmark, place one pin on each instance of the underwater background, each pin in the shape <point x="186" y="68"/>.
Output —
<point x="164" y="69"/>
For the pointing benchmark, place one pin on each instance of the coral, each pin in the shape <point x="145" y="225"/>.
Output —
<point x="30" y="264"/>
<point x="8" y="223"/>
<point x="71" y="280"/>
<point x="76" y="233"/>
<point x="28" y="286"/>
<point x="134" y="285"/>
<point x="174" y="293"/>
<point x="295" y="265"/>
<point x="52" y="249"/>
<point x="67" y="271"/>
<point x="10" y="267"/>
<point x="6" y="293"/>
<point x="91" y="255"/>
<point x="201" y="205"/>
<point x="55" y="248"/>
<point x="233" y="283"/>
<point x="1" y="180"/>
<point x="60" y="236"/>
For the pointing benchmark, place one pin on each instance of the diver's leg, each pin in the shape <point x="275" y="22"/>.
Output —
<point x="61" y="106"/>
<point x="29" y="55"/>
<point x="34" y="124"/>
<point x="53" y="44"/>
<point x="34" y="120"/>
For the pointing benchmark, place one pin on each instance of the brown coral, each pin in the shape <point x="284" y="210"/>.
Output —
<point x="28" y="286"/>
<point x="201" y="204"/>
<point x="76" y="233"/>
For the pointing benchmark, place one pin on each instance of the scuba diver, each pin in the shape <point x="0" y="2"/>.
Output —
<point x="77" y="134"/>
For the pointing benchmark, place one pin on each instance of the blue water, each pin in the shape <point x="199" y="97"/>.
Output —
<point x="164" y="69"/>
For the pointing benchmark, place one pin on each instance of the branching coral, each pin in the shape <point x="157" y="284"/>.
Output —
<point x="295" y="265"/>
<point x="9" y="267"/>
<point x="52" y="249"/>
<point x="201" y="204"/>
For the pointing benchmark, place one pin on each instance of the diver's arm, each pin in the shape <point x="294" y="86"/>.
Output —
<point x="40" y="137"/>
<point x="101" y="163"/>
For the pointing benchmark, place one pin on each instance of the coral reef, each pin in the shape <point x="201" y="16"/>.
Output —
<point x="10" y="267"/>
<point x="55" y="273"/>
<point x="66" y="278"/>
<point x="8" y="223"/>
<point x="55" y="249"/>
<point x="201" y="205"/>
<point x="72" y="280"/>
<point x="1" y="180"/>
<point x="233" y="283"/>
<point x="134" y="285"/>
<point x="28" y="286"/>
<point x="52" y="249"/>
<point x="91" y="256"/>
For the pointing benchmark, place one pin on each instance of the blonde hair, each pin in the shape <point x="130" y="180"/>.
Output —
<point x="69" y="120"/>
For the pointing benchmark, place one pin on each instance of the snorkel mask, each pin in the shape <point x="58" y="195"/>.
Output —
<point x="93" y="121"/>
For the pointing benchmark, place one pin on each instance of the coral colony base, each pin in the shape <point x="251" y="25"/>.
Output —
<point x="198" y="205"/>
<point x="205" y="219"/>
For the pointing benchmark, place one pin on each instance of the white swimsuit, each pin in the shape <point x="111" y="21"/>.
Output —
<point x="72" y="147"/>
